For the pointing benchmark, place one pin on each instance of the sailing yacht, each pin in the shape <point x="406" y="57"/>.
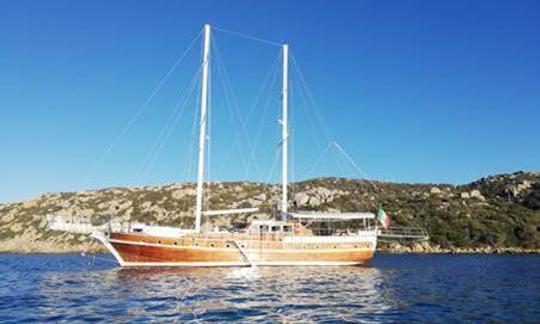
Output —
<point x="291" y="239"/>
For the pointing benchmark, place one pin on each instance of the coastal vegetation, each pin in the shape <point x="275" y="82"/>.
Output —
<point x="493" y="213"/>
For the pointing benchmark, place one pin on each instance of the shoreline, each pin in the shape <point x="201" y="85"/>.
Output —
<point x="96" y="248"/>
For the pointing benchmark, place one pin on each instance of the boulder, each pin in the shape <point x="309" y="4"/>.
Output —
<point x="301" y="199"/>
<point x="477" y="194"/>
<point x="435" y="191"/>
<point x="181" y="193"/>
<point x="31" y="203"/>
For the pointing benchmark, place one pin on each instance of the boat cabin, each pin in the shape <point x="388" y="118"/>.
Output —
<point x="270" y="226"/>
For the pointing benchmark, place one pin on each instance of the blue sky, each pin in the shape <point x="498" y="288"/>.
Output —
<point x="415" y="91"/>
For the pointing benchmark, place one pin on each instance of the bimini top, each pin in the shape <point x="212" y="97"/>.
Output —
<point x="331" y="216"/>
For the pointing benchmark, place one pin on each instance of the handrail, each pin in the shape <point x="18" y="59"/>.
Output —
<point x="404" y="232"/>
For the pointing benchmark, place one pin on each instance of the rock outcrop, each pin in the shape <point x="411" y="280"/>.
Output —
<point x="497" y="213"/>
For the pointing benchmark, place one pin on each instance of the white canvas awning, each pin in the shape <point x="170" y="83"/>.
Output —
<point x="332" y="216"/>
<point x="230" y="211"/>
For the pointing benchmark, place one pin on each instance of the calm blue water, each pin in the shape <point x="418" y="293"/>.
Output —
<point x="393" y="288"/>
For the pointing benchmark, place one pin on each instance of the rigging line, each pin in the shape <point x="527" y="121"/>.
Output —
<point x="324" y="126"/>
<point x="190" y="171"/>
<point x="273" y="69"/>
<point x="172" y="121"/>
<point x="229" y="104"/>
<point x="340" y="164"/>
<point x="321" y="120"/>
<point x="233" y="97"/>
<point x="166" y="136"/>
<point x="277" y="152"/>
<point x="168" y="132"/>
<point x="319" y="159"/>
<point x="262" y="118"/>
<point x="188" y="163"/>
<point x="142" y="108"/>
<point x="351" y="161"/>
<point x="254" y="38"/>
<point x="272" y="167"/>
<point x="234" y="101"/>
<point x="179" y="106"/>
<point x="268" y="82"/>
<point x="311" y="122"/>
<point x="236" y="141"/>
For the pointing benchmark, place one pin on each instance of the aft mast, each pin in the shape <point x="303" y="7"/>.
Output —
<point x="202" y="127"/>
<point x="284" y="130"/>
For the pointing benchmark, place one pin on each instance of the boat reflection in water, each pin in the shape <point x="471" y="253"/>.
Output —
<point x="394" y="288"/>
<point x="270" y="293"/>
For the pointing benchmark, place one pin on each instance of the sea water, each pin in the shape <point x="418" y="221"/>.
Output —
<point x="392" y="288"/>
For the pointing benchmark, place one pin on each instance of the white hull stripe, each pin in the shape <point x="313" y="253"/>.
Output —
<point x="180" y="247"/>
<point x="236" y="264"/>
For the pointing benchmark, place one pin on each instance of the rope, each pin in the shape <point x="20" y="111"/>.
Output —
<point x="165" y="133"/>
<point x="141" y="109"/>
<point x="257" y="39"/>
<point x="303" y="83"/>
<point x="229" y="98"/>
<point x="272" y="73"/>
<point x="262" y="118"/>
<point x="354" y="165"/>
<point x="188" y="163"/>
<point x="312" y="125"/>
<point x="323" y="153"/>
<point x="324" y="126"/>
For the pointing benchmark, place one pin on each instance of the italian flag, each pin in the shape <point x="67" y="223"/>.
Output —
<point x="383" y="217"/>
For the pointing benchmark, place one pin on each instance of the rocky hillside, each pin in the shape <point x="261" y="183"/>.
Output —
<point x="495" y="212"/>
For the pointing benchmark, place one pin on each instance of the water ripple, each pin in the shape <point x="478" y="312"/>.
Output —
<point x="52" y="288"/>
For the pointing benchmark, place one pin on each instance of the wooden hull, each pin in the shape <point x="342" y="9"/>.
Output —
<point x="143" y="250"/>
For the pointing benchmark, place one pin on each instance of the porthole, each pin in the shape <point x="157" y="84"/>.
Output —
<point x="158" y="242"/>
<point x="212" y="245"/>
<point x="242" y="246"/>
<point x="227" y="246"/>
<point x="175" y="243"/>
<point x="317" y="247"/>
<point x="335" y="246"/>
<point x="196" y="244"/>
<point x="356" y="246"/>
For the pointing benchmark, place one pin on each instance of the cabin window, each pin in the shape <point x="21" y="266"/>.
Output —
<point x="212" y="244"/>
<point x="175" y="243"/>
<point x="137" y="230"/>
<point x="196" y="244"/>
<point x="287" y="228"/>
<point x="242" y="246"/>
<point x="158" y="242"/>
<point x="263" y="228"/>
<point x="276" y="228"/>
<point x="227" y="245"/>
<point x="335" y="246"/>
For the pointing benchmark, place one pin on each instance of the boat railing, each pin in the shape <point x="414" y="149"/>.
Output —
<point x="403" y="232"/>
